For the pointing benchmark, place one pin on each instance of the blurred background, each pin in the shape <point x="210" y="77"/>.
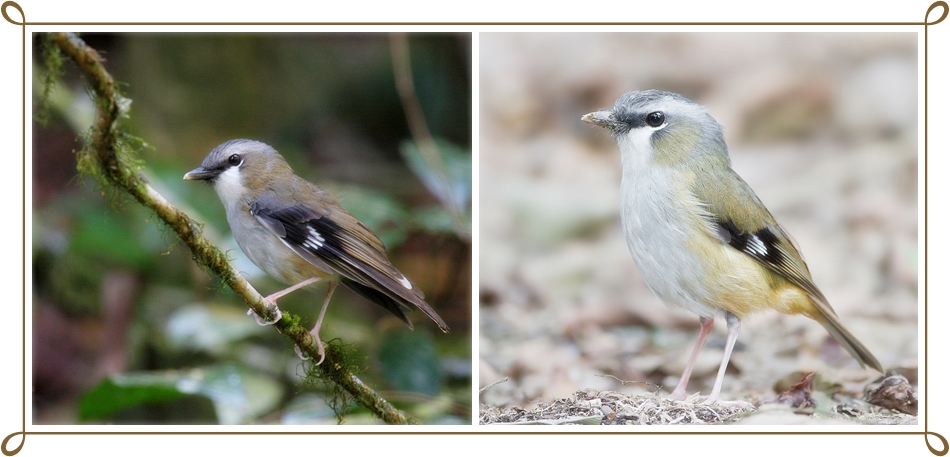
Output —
<point x="823" y="126"/>
<point x="127" y="329"/>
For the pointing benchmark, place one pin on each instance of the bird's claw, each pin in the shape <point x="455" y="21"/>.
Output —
<point x="320" y="351"/>
<point x="729" y="404"/>
<point x="678" y="395"/>
<point x="300" y="353"/>
<point x="265" y="322"/>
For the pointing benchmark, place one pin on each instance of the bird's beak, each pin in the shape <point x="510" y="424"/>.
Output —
<point x="199" y="174"/>
<point x="604" y="119"/>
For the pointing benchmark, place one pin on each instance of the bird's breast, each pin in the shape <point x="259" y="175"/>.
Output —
<point x="268" y="252"/>
<point x="676" y="252"/>
<point x="657" y="233"/>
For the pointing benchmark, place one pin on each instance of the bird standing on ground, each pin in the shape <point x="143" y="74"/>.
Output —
<point x="298" y="234"/>
<point x="699" y="235"/>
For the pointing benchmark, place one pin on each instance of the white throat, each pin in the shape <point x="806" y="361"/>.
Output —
<point x="230" y="188"/>
<point x="636" y="151"/>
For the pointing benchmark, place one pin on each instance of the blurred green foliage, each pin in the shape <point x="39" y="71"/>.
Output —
<point x="409" y="362"/>
<point x="237" y="394"/>
<point x="128" y="330"/>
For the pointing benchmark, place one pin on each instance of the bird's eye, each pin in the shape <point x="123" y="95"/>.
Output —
<point x="235" y="159"/>
<point x="655" y="119"/>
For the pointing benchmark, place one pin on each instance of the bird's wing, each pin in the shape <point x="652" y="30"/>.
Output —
<point x="332" y="237"/>
<point x="771" y="247"/>
<point x="749" y="228"/>
<point x="746" y="225"/>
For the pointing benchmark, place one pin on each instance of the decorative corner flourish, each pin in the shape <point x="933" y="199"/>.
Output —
<point x="3" y="446"/>
<point x="11" y="4"/>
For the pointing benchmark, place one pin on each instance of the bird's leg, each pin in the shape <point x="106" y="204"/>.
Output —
<point x="316" y="328"/>
<point x="271" y="301"/>
<point x="732" y="327"/>
<point x="706" y="325"/>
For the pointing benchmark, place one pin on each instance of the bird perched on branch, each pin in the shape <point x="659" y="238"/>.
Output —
<point x="299" y="234"/>
<point x="699" y="235"/>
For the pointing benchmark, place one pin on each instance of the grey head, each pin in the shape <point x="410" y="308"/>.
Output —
<point x="662" y="123"/>
<point x="234" y="158"/>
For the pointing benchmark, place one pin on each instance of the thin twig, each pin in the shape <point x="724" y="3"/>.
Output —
<point x="428" y="150"/>
<point x="484" y="389"/>
<point x="121" y="173"/>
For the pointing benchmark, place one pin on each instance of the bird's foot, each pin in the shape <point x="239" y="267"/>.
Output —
<point x="300" y="353"/>
<point x="263" y="322"/>
<point x="729" y="404"/>
<point x="678" y="395"/>
<point x="710" y="400"/>
<point x="320" y="351"/>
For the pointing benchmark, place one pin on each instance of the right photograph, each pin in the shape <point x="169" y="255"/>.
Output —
<point x="699" y="228"/>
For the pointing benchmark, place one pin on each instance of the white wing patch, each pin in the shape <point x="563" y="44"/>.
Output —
<point x="405" y="282"/>
<point x="314" y="240"/>
<point x="755" y="245"/>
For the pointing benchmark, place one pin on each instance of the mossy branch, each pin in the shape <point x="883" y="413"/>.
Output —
<point x="106" y="155"/>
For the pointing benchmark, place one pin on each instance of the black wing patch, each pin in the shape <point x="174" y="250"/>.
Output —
<point x="761" y="245"/>
<point x="771" y="250"/>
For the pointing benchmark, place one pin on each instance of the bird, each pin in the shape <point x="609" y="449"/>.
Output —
<point x="298" y="234"/>
<point x="700" y="237"/>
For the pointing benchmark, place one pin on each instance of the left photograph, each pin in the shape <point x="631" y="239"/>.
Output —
<point x="251" y="228"/>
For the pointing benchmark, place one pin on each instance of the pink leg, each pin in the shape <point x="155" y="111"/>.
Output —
<point x="271" y="301"/>
<point x="706" y="325"/>
<point x="316" y="328"/>
<point x="732" y="325"/>
<point x="274" y="296"/>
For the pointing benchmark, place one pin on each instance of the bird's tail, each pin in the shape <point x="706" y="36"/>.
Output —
<point x="392" y="305"/>
<point x="830" y="321"/>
